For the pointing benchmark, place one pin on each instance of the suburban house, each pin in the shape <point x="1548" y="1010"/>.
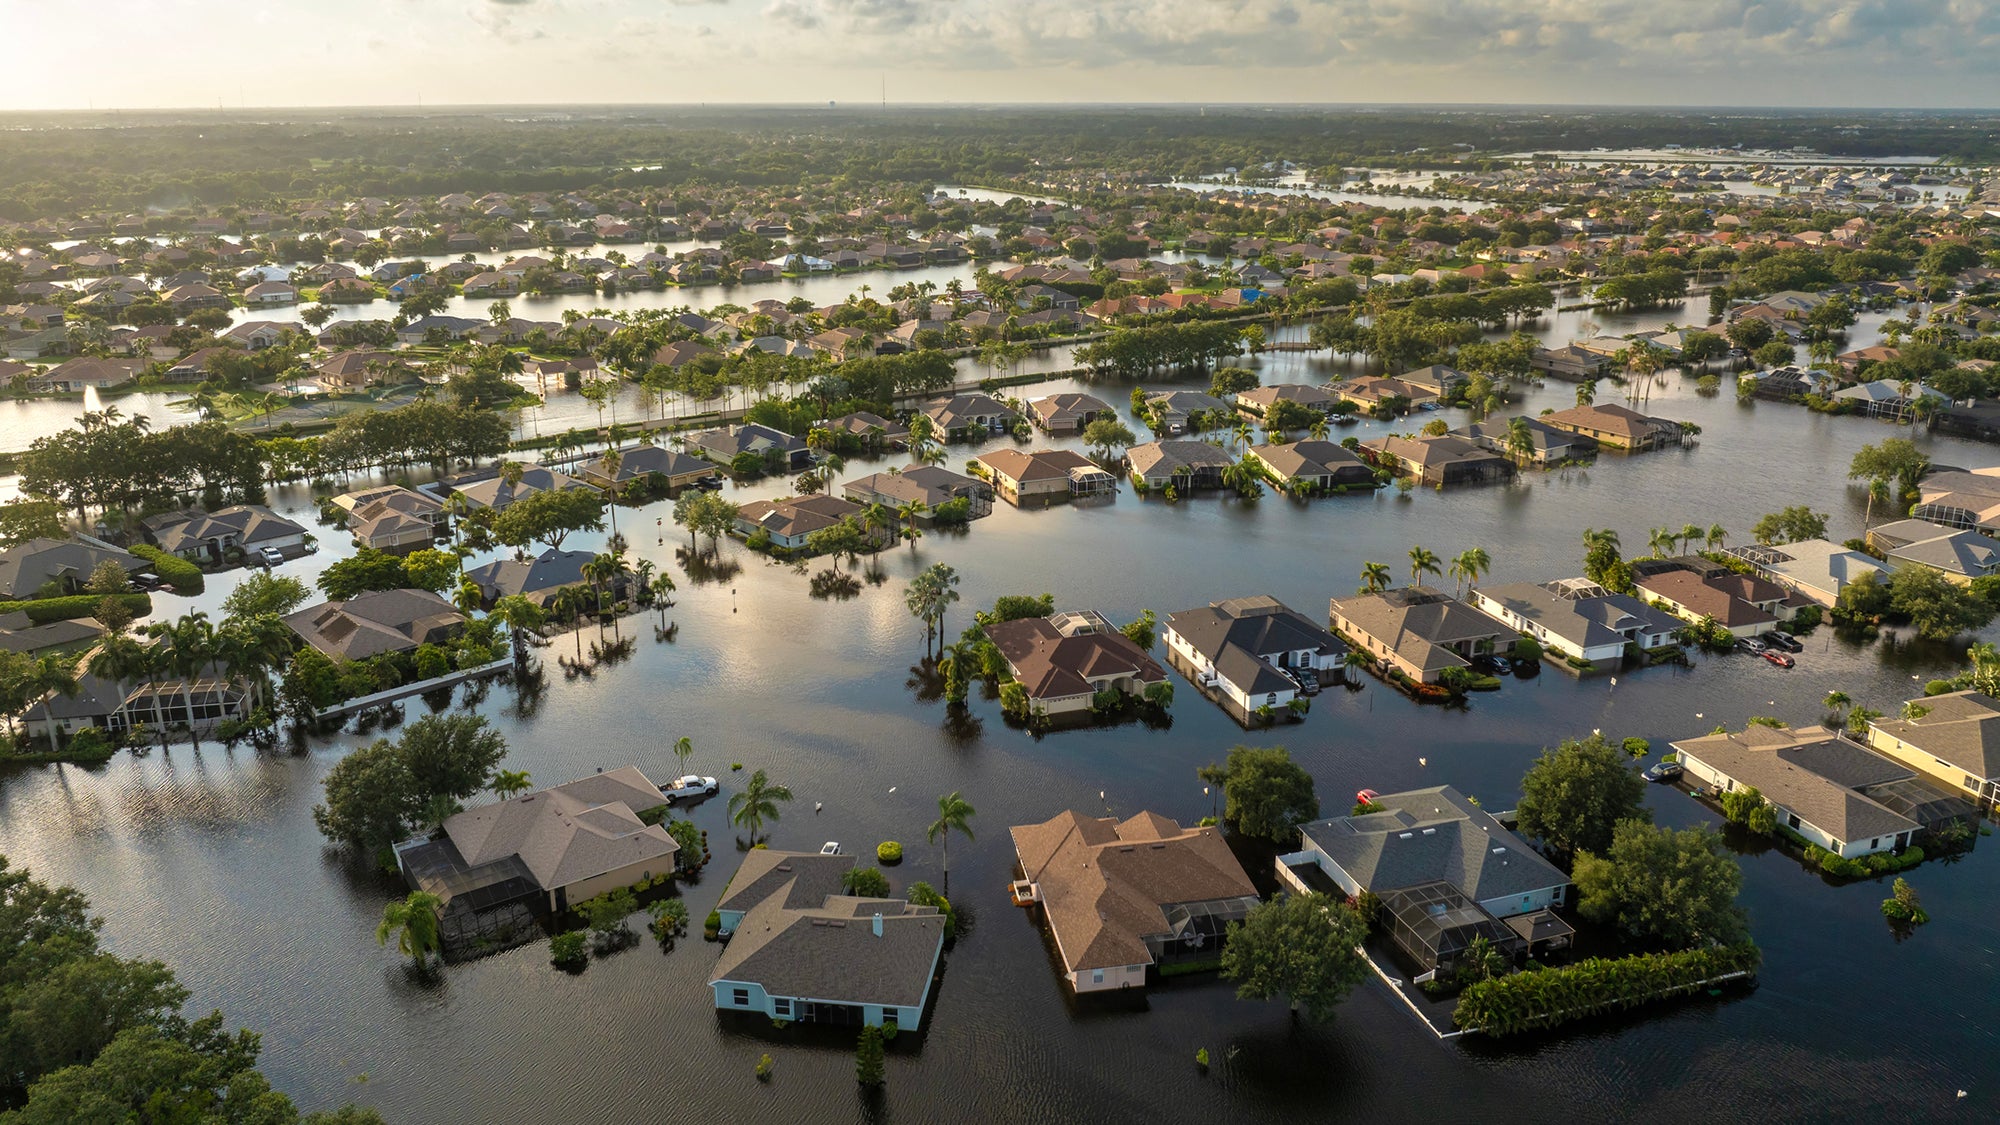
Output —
<point x="1886" y="398"/>
<point x="1695" y="597"/>
<point x="1445" y="870"/>
<point x="800" y="949"/>
<point x="89" y="371"/>
<point x="1419" y="631"/>
<point x="1956" y="741"/>
<point x="1183" y="464"/>
<point x="1578" y="618"/>
<point x="671" y="468"/>
<point x="1323" y="465"/>
<point x="774" y="446"/>
<point x="1569" y="362"/>
<point x="208" y="537"/>
<point x="28" y="566"/>
<point x="1065" y="660"/>
<point x="200" y="702"/>
<point x="1837" y="794"/>
<point x="1440" y="459"/>
<point x="392" y="518"/>
<point x="542" y="578"/>
<point x="1171" y="411"/>
<point x="1043" y="476"/>
<point x="1547" y="445"/>
<point x="1811" y="568"/>
<point x="490" y="488"/>
<point x="18" y="633"/>
<point x="1252" y="652"/>
<point x="925" y="485"/>
<point x="1369" y="392"/>
<point x="1068" y="413"/>
<point x="789" y="521"/>
<point x="1122" y="897"/>
<point x="380" y="621"/>
<point x="1616" y="427"/>
<point x="963" y="417"/>
<point x="1960" y="555"/>
<point x="1965" y="499"/>
<point x="498" y="866"/>
<point x="1437" y="380"/>
<point x="1257" y="401"/>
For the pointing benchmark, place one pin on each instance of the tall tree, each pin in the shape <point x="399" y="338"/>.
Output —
<point x="757" y="803"/>
<point x="954" y="815"/>
<point x="1305" y="948"/>
<point x="1573" y="797"/>
<point x="1267" y="794"/>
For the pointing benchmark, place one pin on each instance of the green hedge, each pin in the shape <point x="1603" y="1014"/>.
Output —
<point x="183" y="576"/>
<point x="1840" y="867"/>
<point x="41" y="611"/>
<point x="1530" y="1000"/>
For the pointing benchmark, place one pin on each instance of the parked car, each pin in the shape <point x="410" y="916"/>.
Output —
<point x="831" y="847"/>
<point x="1778" y="658"/>
<point x="1662" y="771"/>
<point x="1782" y="640"/>
<point x="1491" y="665"/>
<point x="693" y="785"/>
<point x="271" y="556"/>
<point x="1751" y="645"/>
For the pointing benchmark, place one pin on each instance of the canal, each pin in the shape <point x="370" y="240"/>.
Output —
<point x="209" y="860"/>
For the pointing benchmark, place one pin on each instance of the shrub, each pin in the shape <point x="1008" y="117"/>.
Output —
<point x="1903" y="905"/>
<point x="1526" y="1001"/>
<point x="670" y="918"/>
<point x="181" y="575"/>
<point x="1637" y="747"/>
<point x="865" y="882"/>
<point x="889" y="853"/>
<point x="567" y="950"/>
<point x="41" y="611"/>
<point x="765" y="1065"/>
<point x="923" y="894"/>
<point x="712" y="925"/>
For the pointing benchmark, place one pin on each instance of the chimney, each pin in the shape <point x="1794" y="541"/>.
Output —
<point x="878" y="923"/>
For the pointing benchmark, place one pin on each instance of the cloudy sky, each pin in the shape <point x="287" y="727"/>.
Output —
<point x="146" y="53"/>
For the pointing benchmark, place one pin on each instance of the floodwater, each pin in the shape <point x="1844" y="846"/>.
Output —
<point x="209" y="861"/>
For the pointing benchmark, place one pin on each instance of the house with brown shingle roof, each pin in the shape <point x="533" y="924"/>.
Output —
<point x="1068" y="413"/>
<point x="1616" y="427"/>
<point x="789" y="521"/>
<point x="1419" y="631"/>
<point x="1065" y="660"/>
<point x="1044" y="475"/>
<point x="1121" y="897"/>
<point x="1694" y="597"/>
<point x="377" y="622"/>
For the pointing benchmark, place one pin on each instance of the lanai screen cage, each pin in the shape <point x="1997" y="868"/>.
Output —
<point x="1196" y="929"/>
<point x="1434" y="923"/>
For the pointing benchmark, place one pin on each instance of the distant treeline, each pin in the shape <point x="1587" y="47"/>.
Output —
<point x="59" y="165"/>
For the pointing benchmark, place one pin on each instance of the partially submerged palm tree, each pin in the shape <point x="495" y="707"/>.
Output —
<point x="757" y="803"/>
<point x="509" y="782"/>
<point x="414" y="924"/>
<point x="954" y="815"/>
<point x="1422" y="562"/>
<point x="1375" y="577"/>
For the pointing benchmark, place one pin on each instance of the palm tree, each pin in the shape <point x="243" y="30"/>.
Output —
<point x="1660" y="541"/>
<point x="1837" y="701"/>
<point x="189" y="645"/>
<point x="684" y="750"/>
<point x="123" y="661"/>
<point x="48" y="677"/>
<point x="1423" y="562"/>
<point x="757" y="803"/>
<point x="509" y="782"/>
<point x="954" y="815"/>
<point x="1375" y="577"/>
<point x="909" y="513"/>
<point x="414" y="922"/>
<point x="1690" y="533"/>
<point x="1318" y="430"/>
<point x="663" y="586"/>
<point x="1717" y="535"/>
<point x="1472" y="564"/>
<point x="1244" y="434"/>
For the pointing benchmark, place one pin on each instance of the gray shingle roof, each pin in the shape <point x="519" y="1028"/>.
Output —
<point x="26" y="567"/>
<point x="807" y="876"/>
<point x="569" y="832"/>
<point x="1429" y="836"/>
<point x="1962" y="728"/>
<point x="1810" y="771"/>
<point x="831" y="952"/>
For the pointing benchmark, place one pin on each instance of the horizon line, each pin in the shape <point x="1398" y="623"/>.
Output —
<point x="834" y="103"/>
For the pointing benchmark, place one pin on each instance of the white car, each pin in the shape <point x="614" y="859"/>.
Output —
<point x="271" y="556"/>
<point x="693" y="785"/>
<point x="831" y="847"/>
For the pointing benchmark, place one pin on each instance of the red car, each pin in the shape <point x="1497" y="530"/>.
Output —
<point x="1779" y="658"/>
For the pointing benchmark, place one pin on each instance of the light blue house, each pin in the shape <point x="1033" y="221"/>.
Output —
<point x="842" y="960"/>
